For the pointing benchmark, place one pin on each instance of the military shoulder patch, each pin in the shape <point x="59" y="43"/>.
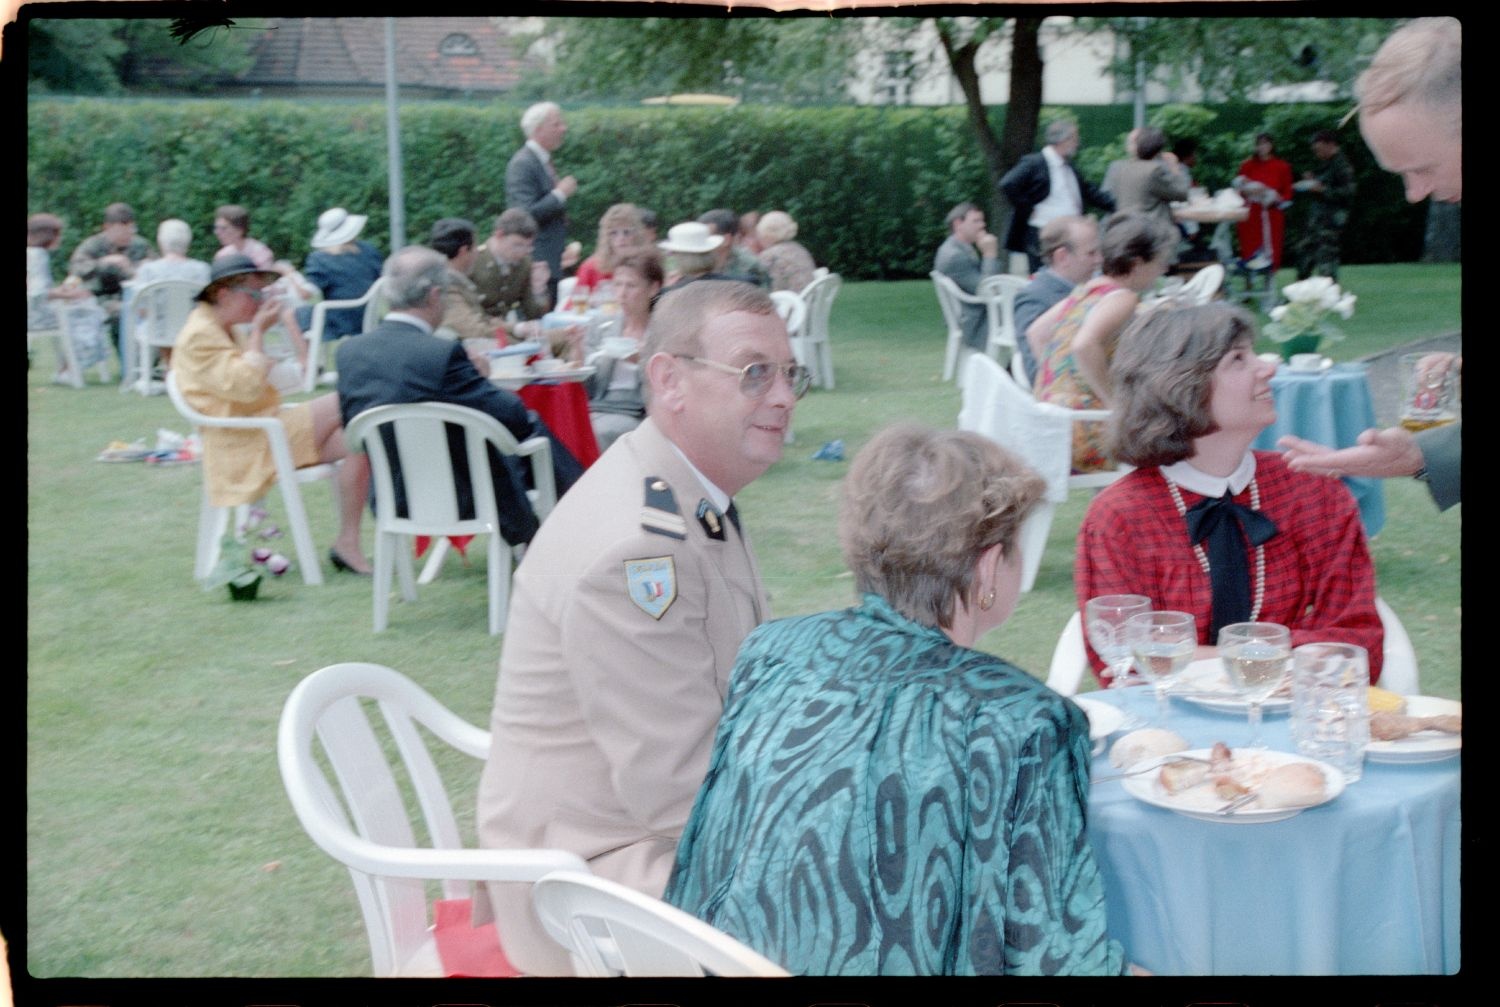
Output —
<point x="651" y="584"/>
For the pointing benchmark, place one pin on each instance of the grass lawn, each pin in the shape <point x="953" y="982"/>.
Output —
<point x="159" y="839"/>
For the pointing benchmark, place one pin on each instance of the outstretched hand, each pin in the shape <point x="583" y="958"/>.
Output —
<point x="1380" y="454"/>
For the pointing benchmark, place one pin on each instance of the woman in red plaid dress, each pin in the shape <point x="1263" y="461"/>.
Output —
<point x="1204" y="524"/>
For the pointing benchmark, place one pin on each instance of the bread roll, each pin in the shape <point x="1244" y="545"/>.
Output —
<point x="1147" y="743"/>
<point x="1294" y="785"/>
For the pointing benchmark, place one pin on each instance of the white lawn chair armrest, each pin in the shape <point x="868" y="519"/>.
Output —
<point x="539" y="450"/>
<point x="447" y="864"/>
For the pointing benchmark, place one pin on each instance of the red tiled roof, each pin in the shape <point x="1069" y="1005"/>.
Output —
<point x="350" y="52"/>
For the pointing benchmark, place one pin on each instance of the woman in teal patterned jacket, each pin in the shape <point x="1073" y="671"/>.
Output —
<point x="882" y="799"/>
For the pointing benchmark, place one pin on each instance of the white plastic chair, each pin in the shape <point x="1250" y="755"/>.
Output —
<point x="420" y="433"/>
<point x="213" y="521"/>
<point x="951" y="300"/>
<point x="1203" y="285"/>
<point x="366" y="824"/>
<point x="161" y="311"/>
<point x="1040" y="433"/>
<point x="316" y="368"/>
<point x="1069" y="659"/>
<point x="1398" y="672"/>
<point x="616" y="931"/>
<point x="793" y="311"/>
<point x="996" y="295"/>
<point x="1398" y="669"/>
<point x="999" y="293"/>
<point x="62" y="345"/>
<point x="815" y="353"/>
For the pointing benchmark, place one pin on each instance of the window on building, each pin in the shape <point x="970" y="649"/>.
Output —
<point x="458" y="44"/>
<point x="894" y="85"/>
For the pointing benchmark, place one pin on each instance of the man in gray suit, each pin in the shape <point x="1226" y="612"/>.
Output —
<point x="1411" y="115"/>
<point x="966" y="256"/>
<point x="533" y="185"/>
<point x="1070" y="248"/>
<point x="629" y="608"/>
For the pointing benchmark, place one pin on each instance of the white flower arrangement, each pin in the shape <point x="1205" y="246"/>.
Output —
<point x="1308" y="309"/>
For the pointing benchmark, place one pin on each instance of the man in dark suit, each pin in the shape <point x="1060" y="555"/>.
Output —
<point x="533" y="185"/>
<point x="401" y="361"/>
<point x="1044" y="186"/>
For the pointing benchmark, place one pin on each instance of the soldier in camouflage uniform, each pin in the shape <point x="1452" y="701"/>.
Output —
<point x="1329" y="190"/>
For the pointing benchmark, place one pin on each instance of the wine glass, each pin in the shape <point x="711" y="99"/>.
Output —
<point x="1163" y="644"/>
<point x="1104" y="620"/>
<point x="1258" y="659"/>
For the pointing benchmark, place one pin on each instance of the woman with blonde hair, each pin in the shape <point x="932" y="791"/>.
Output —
<point x="619" y="234"/>
<point x="882" y="798"/>
<point x="790" y="265"/>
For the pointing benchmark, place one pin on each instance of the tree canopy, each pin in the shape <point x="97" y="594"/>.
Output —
<point x="1235" y="58"/>
<point x="111" y="55"/>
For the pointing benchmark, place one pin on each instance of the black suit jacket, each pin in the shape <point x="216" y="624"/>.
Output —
<point x="1028" y="183"/>
<point x="396" y="363"/>
<point x="528" y="186"/>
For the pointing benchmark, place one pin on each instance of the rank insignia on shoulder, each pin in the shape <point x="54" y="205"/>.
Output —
<point x="651" y="584"/>
<point x="659" y="512"/>
<point x="711" y="520"/>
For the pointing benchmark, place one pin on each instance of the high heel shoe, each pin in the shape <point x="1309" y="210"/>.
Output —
<point x="344" y="566"/>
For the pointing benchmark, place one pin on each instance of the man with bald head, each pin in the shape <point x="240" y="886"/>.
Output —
<point x="629" y="608"/>
<point x="1070" y="249"/>
<point x="1411" y="116"/>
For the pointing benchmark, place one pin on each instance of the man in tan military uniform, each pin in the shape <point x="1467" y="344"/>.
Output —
<point x="629" y="608"/>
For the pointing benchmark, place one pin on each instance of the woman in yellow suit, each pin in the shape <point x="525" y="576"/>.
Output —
<point x="220" y="376"/>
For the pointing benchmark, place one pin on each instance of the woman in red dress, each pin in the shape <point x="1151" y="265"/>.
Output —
<point x="1204" y="524"/>
<point x="1265" y="181"/>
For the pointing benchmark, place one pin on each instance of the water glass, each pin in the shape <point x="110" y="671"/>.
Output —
<point x="1257" y="658"/>
<point x="1104" y="621"/>
<point x="1163" y="644"/>
<point x="1330" y="704"/>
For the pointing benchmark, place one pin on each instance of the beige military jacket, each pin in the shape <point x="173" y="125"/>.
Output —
<point x="625" y="619"/>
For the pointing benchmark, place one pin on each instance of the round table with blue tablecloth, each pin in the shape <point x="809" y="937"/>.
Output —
<point x="1331" y="406"/>
<point x="1367" y="884"/>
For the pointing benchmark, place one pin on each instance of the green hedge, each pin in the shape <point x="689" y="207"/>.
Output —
<point x="868" y="186"/>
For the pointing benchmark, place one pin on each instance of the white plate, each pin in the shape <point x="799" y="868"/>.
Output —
<point x="1104" y="719"/>
<point x="1429" y="746"/>
<point x="1207" y="675"/>
<point x="531" y="377"/>
<point x="1202" y="803"/>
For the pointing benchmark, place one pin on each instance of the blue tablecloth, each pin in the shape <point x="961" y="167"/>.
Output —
<point x="1366" y="884"/>
<point x="1332" y="407"/>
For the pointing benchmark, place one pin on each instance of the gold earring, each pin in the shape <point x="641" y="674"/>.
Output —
<point x="987" y="600"/>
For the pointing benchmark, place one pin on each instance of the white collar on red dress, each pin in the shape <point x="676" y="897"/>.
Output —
<point x="1197" y="481"/>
